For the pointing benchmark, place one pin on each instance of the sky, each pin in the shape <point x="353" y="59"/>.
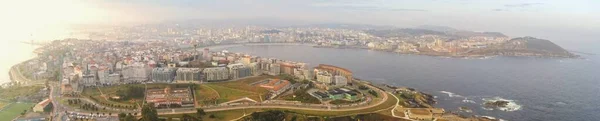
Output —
<point x="561" y="20"/>
<point x="573" y="24"/>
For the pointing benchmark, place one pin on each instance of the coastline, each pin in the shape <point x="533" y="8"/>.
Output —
<point x="224" y="46"/>
<point x="391" y="88"/>
<point x="432" y="54"/>
<point x="10" y="73"/>
<point x="441" y="54"/>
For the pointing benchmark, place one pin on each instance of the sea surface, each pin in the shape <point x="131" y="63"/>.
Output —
<point x="539" y="89"/>
<point x="12" y="53"/>
<point x="14" y="47"/>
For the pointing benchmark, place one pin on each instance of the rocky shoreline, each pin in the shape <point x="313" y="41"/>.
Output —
<point x="465" y="56"/>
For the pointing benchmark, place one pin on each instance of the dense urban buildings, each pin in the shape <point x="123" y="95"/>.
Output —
<point x="189" y="75"/>
<point x="163" y="75"/>
<point x="216" y="73"/>
<point x="136" y="73"/>
<point x="338" y="71"/>
<point x="238" y="71"/>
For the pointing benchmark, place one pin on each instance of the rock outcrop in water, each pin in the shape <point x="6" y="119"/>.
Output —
<point x="496" y="104"/>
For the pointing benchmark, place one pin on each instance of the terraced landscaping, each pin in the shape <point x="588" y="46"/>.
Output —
<point x="232" y="90"/>
<point x="228" y="93"/>
<point x="102" y="94"/>
<point x="206" y="95"/>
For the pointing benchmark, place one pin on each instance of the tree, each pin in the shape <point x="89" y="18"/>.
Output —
<point x="374" y="93"/>
<point x="186" y="117"/>
<point x="122" y="116"/>
<point x="270" y="115"/>
<point x="131" y="92"/>
<point x="129" y="117"/>
<point x="200" y="112"/>
<point x="149" y="113"/>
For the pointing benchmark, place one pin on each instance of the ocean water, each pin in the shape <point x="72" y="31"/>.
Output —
<point x="13" y="47"/>
<point x="12" y="53"/>
<point x="539" y="89"/>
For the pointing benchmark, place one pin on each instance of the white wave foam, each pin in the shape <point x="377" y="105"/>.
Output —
<point x="560" y="103"/>
<point x="466" y="100"/>
<point x="493" y="118"/>
<point x="450" y="94"/>
<point x="511" y="106"/>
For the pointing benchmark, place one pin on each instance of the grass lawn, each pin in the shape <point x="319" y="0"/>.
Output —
<point x="206" y="95"/>
<point x="219" y="115"/>
<point x="2" y="104"/>
<point x="111" y="91"/>
<point x="387" y="104"/>
<point x="369" y="117"/>
<point x="302" y="96"/>
<point x="232" y="90"/>
<point x="14" y="110"/>
<point x="234" y="114"/>
<point x="402" y="101"/>
<point x="342" y="102"/>
<point x="229" y="93"/>
<point x="244" y="84"/>
<point x="12" y="92"/>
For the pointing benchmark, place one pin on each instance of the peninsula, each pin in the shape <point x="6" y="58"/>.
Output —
<point x="108" y="80"/>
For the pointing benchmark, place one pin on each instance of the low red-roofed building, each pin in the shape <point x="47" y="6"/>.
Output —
<point x="42" y="106"/>
<point x="276" y="86"/>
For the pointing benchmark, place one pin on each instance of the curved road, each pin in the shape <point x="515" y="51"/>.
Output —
<point x="227" y="107"/>
<point x="285" y="106"/>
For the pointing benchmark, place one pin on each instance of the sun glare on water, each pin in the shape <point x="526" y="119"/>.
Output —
<point x="40" y="19"/>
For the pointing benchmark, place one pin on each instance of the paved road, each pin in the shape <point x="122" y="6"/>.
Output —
<point x="298" y="107"/>
<point x="58" y="109"/>
<point x="315" y="107"/>
<point x="396" y="106"/>
<point x="18" y="77"/>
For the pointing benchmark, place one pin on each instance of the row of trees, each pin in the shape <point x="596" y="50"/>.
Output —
<point x="119" y="106"/>
<point x="74" y="101"/>
<point x="374" y="93"/>
<point x="90" y="107"/>
<point x="149" y="113"/>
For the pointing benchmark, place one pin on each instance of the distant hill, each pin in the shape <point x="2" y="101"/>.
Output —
<point x="344" y="26"/>
<point x="520" y="46"/>
<point x="404" y="32"/>
<point x="445" y="32"/>
<point x="536" y="45"/>
<point x="528" y="46"/>
<point x="437" y="28"/>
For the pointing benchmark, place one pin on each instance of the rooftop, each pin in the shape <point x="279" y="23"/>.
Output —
<point x="275" y="84"/>
<point x="189" y="70"/>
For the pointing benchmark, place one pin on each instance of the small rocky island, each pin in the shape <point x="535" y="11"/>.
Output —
<point x="496" y="104"/>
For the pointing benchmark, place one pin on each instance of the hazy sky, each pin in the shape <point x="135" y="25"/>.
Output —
<point x="539" y="18"/>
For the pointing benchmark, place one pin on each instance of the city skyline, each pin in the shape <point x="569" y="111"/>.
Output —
<point x="273" y="60"/>
<point x="556" y="20"/>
